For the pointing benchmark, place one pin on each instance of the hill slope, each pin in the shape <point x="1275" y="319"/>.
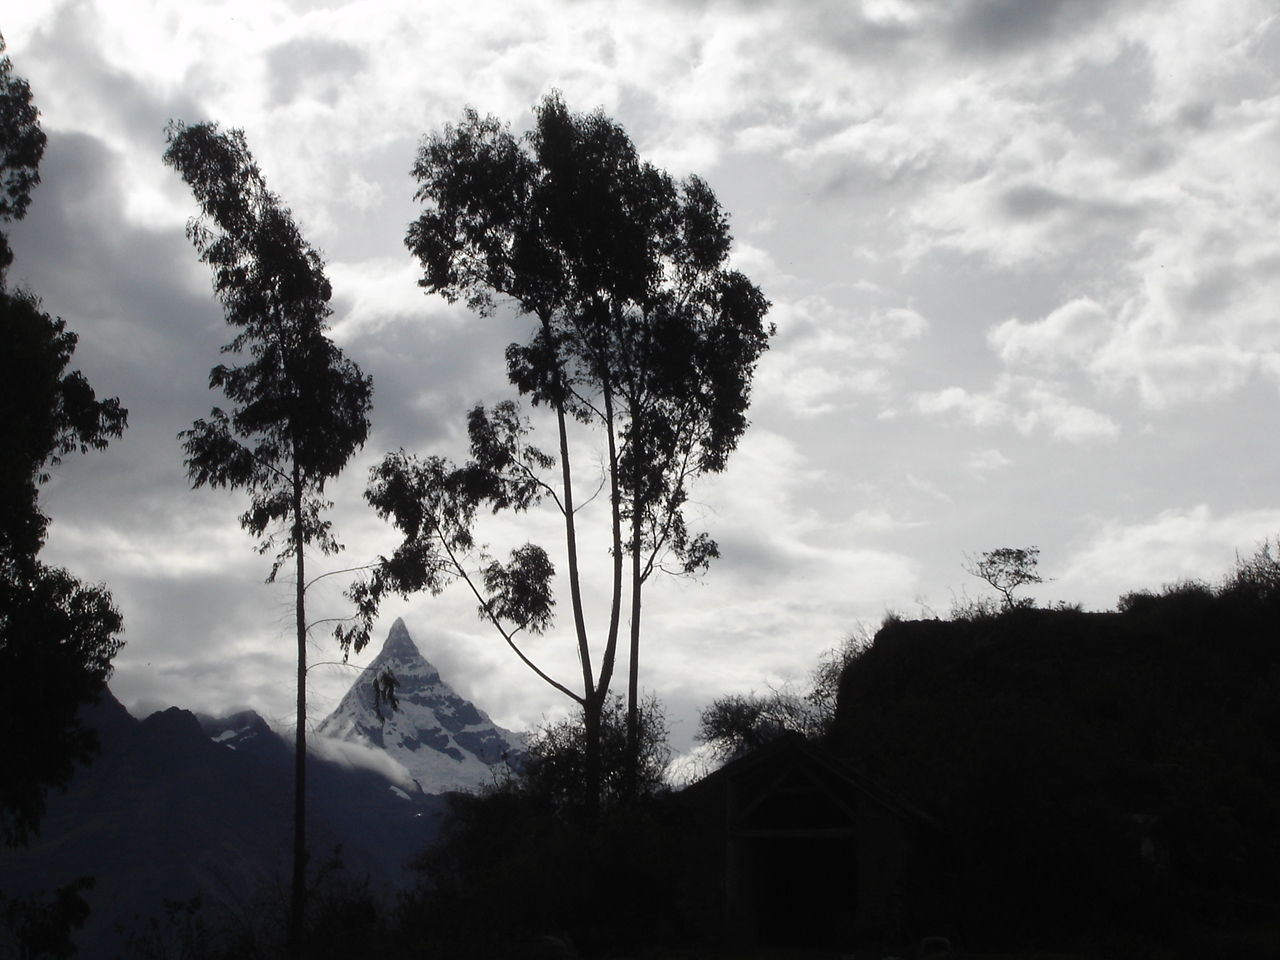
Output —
<point x="1089" y="767"/>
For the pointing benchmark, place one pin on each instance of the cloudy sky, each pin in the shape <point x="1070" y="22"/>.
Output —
<point x="1023" y="259"/>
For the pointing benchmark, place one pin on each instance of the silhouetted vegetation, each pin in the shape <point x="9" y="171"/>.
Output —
<point x="1005" y="570"/>
<point x="527" y="859"/>
<point x="1098" y="774"/>
<point x="57" y="635"/>
<point x="642" y="333"/>
<point x="40" y="927"/>
<point x="738" y="723"/>
<point x="301" y="406"/>
<point x="1103" y="783"/>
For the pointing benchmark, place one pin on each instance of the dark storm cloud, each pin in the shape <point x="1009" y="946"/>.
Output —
<point x="1029" y="202"/>
<point x="1032" y="203"/>
<point x="997" y="26"/>
<point x="78" y="240"/>
<point x="147" y="333"/>
<point x="982" y="27"/>
<point x="70" y="50"/>
<point x="318" y="66"/>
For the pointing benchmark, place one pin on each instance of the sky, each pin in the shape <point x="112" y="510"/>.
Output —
<point x="1023" y="260"/>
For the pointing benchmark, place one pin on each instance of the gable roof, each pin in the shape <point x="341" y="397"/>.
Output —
<point x="793" y="755"/>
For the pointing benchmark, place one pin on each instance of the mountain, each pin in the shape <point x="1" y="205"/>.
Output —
<point x="176" y="805"/>
<point x="445" y="742"/>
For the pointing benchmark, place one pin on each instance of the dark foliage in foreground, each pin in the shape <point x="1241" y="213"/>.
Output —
<point x="1095" y="771"/>
<point x="57" y="634"/>
<point x="525" y="861"/>
<point x="40" y="926"/>
<point x="518" y="868"/>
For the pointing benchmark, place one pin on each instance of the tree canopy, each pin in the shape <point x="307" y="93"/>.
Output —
<point x="301" y="407"/>
<point x="21" y="149"/>
<point x="1007" y="569"/>
<point x="57" y="635"/>
<point x="642" y="333"/>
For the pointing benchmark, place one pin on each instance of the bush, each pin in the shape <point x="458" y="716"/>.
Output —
<point x="521" y="861"/>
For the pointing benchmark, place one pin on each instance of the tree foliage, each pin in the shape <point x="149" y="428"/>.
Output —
<point x="554" y="772"/>
<point x="523" y="860"/>
<point x="736" y="724"/>
<point x="301" y="407"/>
<point x="57" y="635"/>
<point x="642" y="333"/>
<point x="1007" y="569"/>
<point x="21" y="149"/>
<point x="39" y="928"/>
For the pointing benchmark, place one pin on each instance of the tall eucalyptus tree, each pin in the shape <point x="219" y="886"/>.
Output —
<point x="300" y="406"/>
<point x="641" y="333"/>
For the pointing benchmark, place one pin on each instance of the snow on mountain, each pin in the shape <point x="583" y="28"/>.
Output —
<point x="444" y="741"/>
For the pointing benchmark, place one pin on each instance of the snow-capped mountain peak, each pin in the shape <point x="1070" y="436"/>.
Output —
<point x="443" y="740"/>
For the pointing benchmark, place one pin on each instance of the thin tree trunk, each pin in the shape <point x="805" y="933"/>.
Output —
<point x="575" y="593"/>
<point x="615" y="516"/>
<point x="632" y="774"/>
<point x="592" y="721"/>
<point x="298" y="898"/>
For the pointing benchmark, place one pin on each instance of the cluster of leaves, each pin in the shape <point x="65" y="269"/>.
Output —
<point x="1092" y="769"/>
<point x="22" y="145"/>
<point x="39" y="926"/>
<point x="1004" y="569"/>
<point x="553" y="771"/>
<point x="57" y="635"/>
<point x="739" y="723"/>
<point x="524" y="859"/>
<point x="302" y="407"/>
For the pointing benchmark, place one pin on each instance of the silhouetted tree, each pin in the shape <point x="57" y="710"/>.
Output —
<point x="36" y="928"/>
<point x="739" y="723"/>
<point x="21" y="148"/>
<point x="57" y="635"/>
<point x="301" y="406"/>
<point x="521" y="859"/>
<point x="554" y="772"/>
<point x="642" y="333"/>
<point x="1007" y="569"/>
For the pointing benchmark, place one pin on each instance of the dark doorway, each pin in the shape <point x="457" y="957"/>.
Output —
<point x="797" y="885"/>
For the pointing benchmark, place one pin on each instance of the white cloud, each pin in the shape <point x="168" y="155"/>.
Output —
<point x="361" y="757"/>
<point x="1178" y="544"/>
<point x="1028" y="404"/>
<point x="986" y="461"/>
<point x="825" y="355"/>
<point x="1080" y="194"/>
<point x="1072" y="331"/>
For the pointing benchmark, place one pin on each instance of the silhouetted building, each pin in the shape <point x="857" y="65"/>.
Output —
<point x="789" y="846"/>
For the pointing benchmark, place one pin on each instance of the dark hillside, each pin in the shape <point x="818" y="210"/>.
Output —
<point x="165" y="813"/>
<point x="1095" y="771"/>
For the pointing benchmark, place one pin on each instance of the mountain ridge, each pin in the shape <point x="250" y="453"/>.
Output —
<point x="443" y="740"/>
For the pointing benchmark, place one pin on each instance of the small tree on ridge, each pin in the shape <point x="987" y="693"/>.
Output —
<point x="1006" y="569"/>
